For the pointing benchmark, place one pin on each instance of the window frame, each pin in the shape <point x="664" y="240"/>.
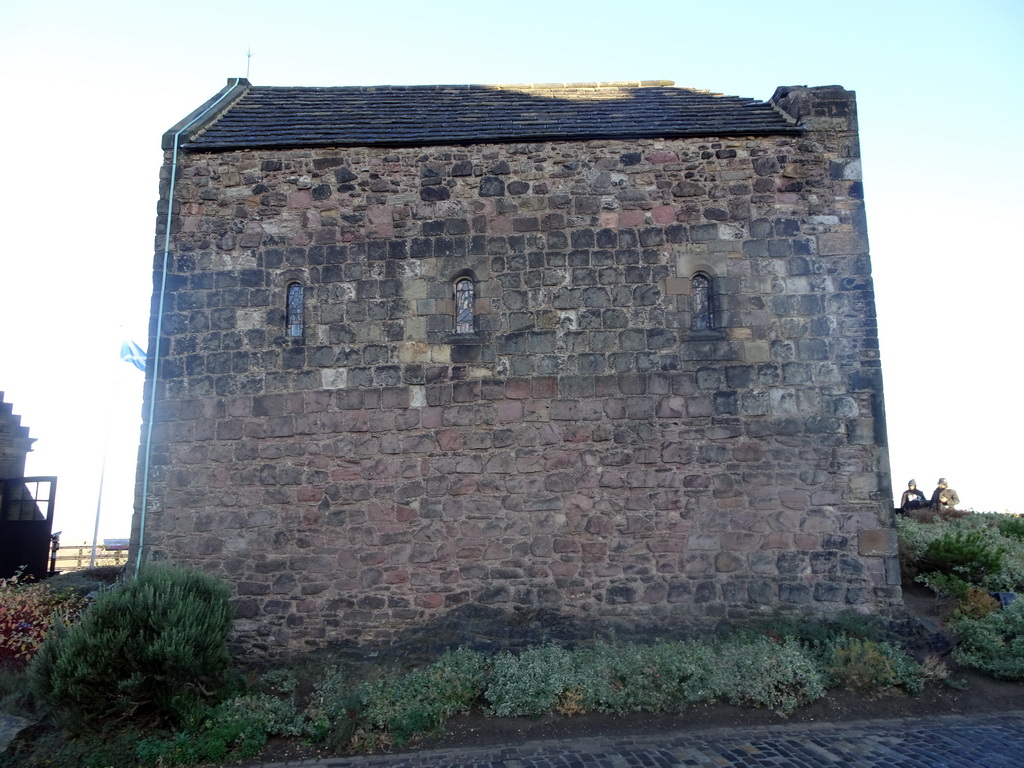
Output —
<point x="702" y="302"/>
<point x="295" y="316"/>
<point x="460" y="326"/>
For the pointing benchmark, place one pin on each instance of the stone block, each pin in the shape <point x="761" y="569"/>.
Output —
<point x="877" y="542"/>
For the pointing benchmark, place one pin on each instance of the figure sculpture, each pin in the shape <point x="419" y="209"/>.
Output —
<point x="912" y="498"/>
<point x="944" y="497"/>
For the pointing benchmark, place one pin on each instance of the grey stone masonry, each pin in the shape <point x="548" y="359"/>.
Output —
<point x="601" y="445"/>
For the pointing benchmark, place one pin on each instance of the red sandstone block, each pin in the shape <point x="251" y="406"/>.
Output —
<point x="799" y="500"/>
<point x="495" y="552"/>
<point x="537" y="410"/>
<point x="659" y="156"/>
<point x="741" y="540"/>
<point x="550" y="434"/>
<point x="560" y="459"/>
<point x="404" y="513"/>
<point x="577" y="434"/>
<point x="460" y="486"/>
<point x="664" y="214"/>
<point x="654" y="594"/>
<point x="565" y="570"/>
<point x="807" y="541"/>
<point x="509" y="411"/>
<point x="527" y="464"/>
<point x="565" y="410"/>
<point x="449" y="439"/>
<point x="612" y="479"/>
<point x="631" y="219"/>
<point x="302" y="198"/>
<point x="748" y="452"/>
<point x="615" y="408"/>
<point x="545" y="386"/>
<point x="355" y="421"/>
<point x="395" y="397"/>
<point x="309" y="493"/>
<point x="877" y="542"/>
<point x="433" y="600"/>
<point x="466" y="391"/>
<point x="825" y="498"/>
<point x="432" y="418"/>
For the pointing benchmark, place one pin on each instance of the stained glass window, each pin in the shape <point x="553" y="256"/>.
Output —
<point x="464" y="292"/>
<point x="701" y="307"/>
<point x="296" y="300"/>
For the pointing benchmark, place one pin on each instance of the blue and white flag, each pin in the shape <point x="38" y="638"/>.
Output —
<point x="132" y="353"/>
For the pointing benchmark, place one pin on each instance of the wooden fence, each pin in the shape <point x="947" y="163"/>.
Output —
<point x="75" y="557"/>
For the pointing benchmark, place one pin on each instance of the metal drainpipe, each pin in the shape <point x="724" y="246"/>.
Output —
<point x="160" y="321"/>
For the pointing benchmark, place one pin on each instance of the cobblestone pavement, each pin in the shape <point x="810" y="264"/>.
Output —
<point x="951" y="741"/>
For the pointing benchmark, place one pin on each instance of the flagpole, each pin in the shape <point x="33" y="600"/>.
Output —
<point x="130" y="353"/>
<point x="103" y="465"/>
<point x="99" y="498"/>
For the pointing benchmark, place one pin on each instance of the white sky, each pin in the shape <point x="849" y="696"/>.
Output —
<point x="89" y="87"/>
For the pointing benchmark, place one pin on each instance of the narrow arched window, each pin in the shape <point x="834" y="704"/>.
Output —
<point x="296" y="309"/>
<point x="464" y="295"/>
<point x="702" y="303"/>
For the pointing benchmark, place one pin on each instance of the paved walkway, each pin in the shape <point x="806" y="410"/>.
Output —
<point x="951" y="741"/>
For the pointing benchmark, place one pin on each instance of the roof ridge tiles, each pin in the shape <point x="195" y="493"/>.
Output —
<point x="595" y="85"/>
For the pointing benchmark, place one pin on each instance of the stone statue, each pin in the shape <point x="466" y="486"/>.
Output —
<point x="944" y="497"/>
<point x="912" y="498"/>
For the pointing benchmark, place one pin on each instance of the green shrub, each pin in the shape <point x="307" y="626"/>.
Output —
<point x="969" y="555"/>
<point x="976" y="603"/>
<point x="780" y="676"/>
<point x="424" y="699"/>
<point x="331" y="710"/>
<point x="237" y="729"/>
<point x="993" y="644"/>
<point x="634" y="678"/>
<point x="531" y="683"/>
<point x="631" y="678"/>
<point x="153" y="651"/>
<point x="1012" y="527"/>
<point x="868" y="666"/>
<point x="989" y="532"/>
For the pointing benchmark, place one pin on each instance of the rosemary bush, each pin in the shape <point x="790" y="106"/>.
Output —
<point x="153" y="651"/>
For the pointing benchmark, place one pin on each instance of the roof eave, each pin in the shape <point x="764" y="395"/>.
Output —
<point x="464" y="141"/>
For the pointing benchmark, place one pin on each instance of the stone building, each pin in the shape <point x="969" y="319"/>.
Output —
<point x="603" y="353"/>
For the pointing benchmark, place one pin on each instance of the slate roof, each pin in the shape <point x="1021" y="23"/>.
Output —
<point x="422" y="115"/>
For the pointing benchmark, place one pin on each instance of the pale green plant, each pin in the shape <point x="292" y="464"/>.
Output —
<point x="993" y="644"/>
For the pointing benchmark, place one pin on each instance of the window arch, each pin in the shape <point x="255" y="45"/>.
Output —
<point x="295" y="310"/>
<point x="702" y="302"/>
<point x="465" y="297"/>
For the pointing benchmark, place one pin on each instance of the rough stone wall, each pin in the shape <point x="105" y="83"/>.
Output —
<point x="584" y="451"/>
